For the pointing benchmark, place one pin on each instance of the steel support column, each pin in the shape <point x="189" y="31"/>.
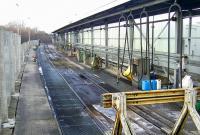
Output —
<point x="75" y="38"/>
<point x="65" y="40"/>
<point x="84" y="50"/>
<point x="106" y="45"/>
<point x="92" y="41"/>
<point x="70" y="39"/>
<point x="178" y="41"/>
<point x="189" y="34"/>
<point x="131" y="37"/>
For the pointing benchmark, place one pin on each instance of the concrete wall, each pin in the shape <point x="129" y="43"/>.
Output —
<point x="12" y="57"/>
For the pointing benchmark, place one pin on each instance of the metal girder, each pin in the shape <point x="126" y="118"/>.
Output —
<point x="120" y="100"/>
<point x="149" y="97"/>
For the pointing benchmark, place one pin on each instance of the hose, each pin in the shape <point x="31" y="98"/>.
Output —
<point x="152" y="45"/>
<point x="131" y="17"/>
<point x="126" y="42"/>
<point x="122" y="18"/>
<point x="144" y="12"/>
<point x="130" y="52"/>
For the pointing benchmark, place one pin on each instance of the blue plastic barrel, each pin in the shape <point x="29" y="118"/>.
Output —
<point x="144" y="77"/>
<point x="145" y="85"/>
<point x="153" y="84"/>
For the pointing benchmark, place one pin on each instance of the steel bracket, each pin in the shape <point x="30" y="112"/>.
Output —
<point x="188" y="109"/>
<point x="121" y="120"/>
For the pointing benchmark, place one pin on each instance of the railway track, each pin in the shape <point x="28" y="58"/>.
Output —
<point x="162" y="123"/>
<point x="70" y="112"/>
<point x="155" y="123"/>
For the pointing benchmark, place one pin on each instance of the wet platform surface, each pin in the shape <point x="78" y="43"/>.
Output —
<point x="34" y="115"/>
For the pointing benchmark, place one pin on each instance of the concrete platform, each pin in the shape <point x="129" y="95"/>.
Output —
<point x="34" y="115"/>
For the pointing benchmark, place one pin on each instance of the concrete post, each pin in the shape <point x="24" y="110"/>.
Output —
<point x="15" y="62"/>
<point x="1" y="77"/>
<point x="19" y="54"/>
<point x="15" y="53"/>
<point x="23" y="52"/>
<point x="3" y="94"/>
<point x="8" y="68"/>
<point x="12" y="63"/>
<point x="17" y="57"/>
<point x="24" y="46"/>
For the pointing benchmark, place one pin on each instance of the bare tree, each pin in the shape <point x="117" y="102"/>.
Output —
<point x="24" y="32"/>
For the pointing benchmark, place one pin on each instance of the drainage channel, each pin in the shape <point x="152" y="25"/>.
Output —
<point x="71" y="114"/>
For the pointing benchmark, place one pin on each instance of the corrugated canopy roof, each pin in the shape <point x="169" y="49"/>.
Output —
<point x="153" y="7"/>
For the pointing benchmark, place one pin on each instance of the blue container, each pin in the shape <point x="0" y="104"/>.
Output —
<point x="153" y="84"/>
<point x="144" y="77"/>
<point x="146" y="85"/>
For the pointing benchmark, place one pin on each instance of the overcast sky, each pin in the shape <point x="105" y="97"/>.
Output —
<point x="49" y="15"/>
